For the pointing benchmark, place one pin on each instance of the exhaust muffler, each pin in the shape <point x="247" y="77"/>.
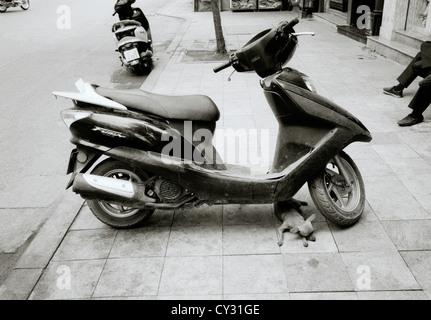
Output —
<point x="116" y="191"/>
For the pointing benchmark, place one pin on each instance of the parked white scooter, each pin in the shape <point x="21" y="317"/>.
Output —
<point x="5" y="4"/>
<point x="134" y="37"/>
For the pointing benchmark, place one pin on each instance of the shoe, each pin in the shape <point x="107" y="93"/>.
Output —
<point x="392" y="92"/>
<point x="410" y="120"/>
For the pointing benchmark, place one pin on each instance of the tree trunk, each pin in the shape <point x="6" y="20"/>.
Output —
<point x="221" y="45"/>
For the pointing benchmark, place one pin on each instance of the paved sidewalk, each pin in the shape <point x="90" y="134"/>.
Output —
<point x="230" y="251"/>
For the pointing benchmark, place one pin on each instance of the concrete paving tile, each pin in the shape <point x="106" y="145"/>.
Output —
<point x="382" y="125"/>
<point x="316" y="272"/>
<point x="324" y="241"/>
<point x="86" y="244"/>
<point x="33" y="192"/>
<point x="130" y="277"/>
<point x="192" y="297"/>
<point x="395" y="151"/>
<point x="392" y="295"/>
<point x="257" y="296"/>
<point x="68" y="280"/>
<point x="411" y="167"/>
<point x="266" y="120"/>
<point x="420" y="188"/>
<point x="236" y="122"/>
<point x="373" y="167"/>
<point x="248" y="214"/>
<point x="377" y="270"/>
<point x="142" y="242"/>
<point x="41" y="249"/>
<point x="18" y="221"/>
<point x="419" y="262"/>
<point x="415" y="140"/>
<point x="324" y="296"/>
<point x="367" y="236"/>
<point x="250" y="239"/>
<point x="19" y="284"/>
<point x="385" y="138"/>
<point x="390" y="200"/>
<point x="140" y="298"/>
<point x="204" y="216"/>
<point x="195" y="241"/>
<point x="191" y="276"/>
<point x="234" y="109"/>
<point x="160" y="218"/>
<point x="87" y="220"/>
<point x="361" y="151"/>
<point x="409" y="235"/>
<point x="7" y="261"/>
<point x="251" y="274"/>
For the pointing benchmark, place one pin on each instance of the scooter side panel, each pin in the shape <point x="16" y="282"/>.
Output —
<point x="109" y="131"/>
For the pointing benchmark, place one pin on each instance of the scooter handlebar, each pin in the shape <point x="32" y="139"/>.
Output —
<point x="291" y="24"/>
<point x="288" y="28"/>
<point x="222" y="66"/>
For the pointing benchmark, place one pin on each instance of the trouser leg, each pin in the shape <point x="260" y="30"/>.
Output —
<point x="410" y="73"/>
<point x="421" y="100"/>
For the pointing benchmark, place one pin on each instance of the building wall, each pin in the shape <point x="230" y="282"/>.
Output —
<point x="400" y="15"/>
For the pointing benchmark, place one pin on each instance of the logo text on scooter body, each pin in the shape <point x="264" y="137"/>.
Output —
<point x="109" y="133"/>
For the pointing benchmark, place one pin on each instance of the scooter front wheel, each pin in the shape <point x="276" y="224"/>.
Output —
<point x="118" y="216"/>
<point x="340" y="201"/>
<point x="25" y="4"/>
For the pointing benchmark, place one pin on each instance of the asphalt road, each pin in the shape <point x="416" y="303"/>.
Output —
<point x="45" y="49"/>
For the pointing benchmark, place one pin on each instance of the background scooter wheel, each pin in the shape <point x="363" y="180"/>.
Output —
<point x="116" y="216"/>
<point x="140" y="69"/>
<point x="26" y="5"/>
<point x="3" y="9"/>
<point x="343" y="208"/>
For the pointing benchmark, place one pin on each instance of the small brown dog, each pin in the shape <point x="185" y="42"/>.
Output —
<point x="290" y="214"/>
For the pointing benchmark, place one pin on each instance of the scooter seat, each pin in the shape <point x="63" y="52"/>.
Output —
<point x="189" y="107"/>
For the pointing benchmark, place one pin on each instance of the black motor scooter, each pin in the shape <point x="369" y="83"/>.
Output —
<point x="133" y="34"/>
<point x="142" y="170"/>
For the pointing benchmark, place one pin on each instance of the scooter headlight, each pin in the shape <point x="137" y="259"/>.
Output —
<point x="70" y="116"/>
<point x="309" y="83"/>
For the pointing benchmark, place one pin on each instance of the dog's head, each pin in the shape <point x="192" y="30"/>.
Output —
<point x="306" y="229"/>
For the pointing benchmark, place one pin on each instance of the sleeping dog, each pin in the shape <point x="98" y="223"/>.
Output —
<point x="290" y="214"/>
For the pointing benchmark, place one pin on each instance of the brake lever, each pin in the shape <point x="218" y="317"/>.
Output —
<point x="296" y="34"/>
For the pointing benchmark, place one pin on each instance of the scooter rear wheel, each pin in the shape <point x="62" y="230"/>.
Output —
<point x="3" y="8"/>
<point x="117" y="216"/>
<point x="341" y="203"/>
<point x="142" y="69"/>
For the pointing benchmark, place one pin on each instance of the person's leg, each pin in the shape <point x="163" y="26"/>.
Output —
<point x="406" y="78"/>
<point x="424" y="72"/>
<point x="419" y="104"/>
<point x="411" y="72"/>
